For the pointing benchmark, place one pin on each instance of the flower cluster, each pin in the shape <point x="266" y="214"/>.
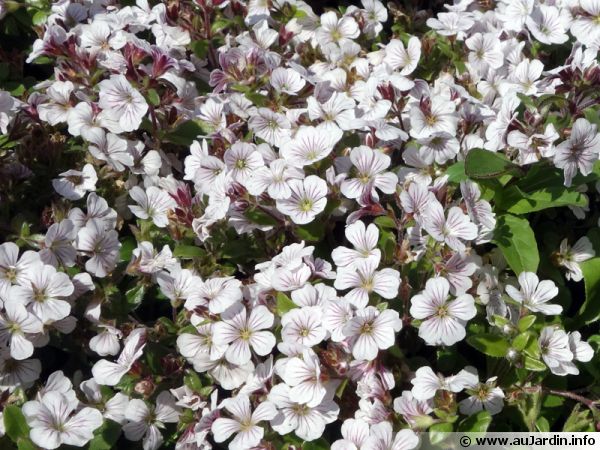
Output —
<point x="254" y="226"/>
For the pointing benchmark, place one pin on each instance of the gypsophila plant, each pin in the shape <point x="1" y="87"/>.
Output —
<point x="249" y="224"/>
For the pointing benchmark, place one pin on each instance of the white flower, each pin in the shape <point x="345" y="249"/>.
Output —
<point x="287" y="81"/>
<point x="337" y="111"/>
<point x="303" y="375"/>
<point x="306" y="422"/>
<point x="354" y="434"/>
<point x="144" y="422"/>
<point x="555" y="349"/>
<point x="310" y="144"/>
<point x="399" y="57"/>
<point x="119" y="99"/>
<point x="309" y="198"/>
<point x="57" y="110"/>
<point x="334" y="30"/>
<point x="110" y="373"/>
<point x="303" y="325"/>
<point x="58" y="244"/>
<point x="273" y="127"/>
<point x="244" y="422"/>
<point x="154" y="203"/>
<point x="370" y="173"/>
<point x="486" y="396"/>
<point x="44" y="293"/>
<point x="480" y="211"/>
<point x="335" y="317"/>
<point x="439" y="147"/>
<point x="364" y="239"/>
<point x="426" y="383"/>
<point x="415" y="200"/>
<point x="445" y="320"/>
<point x="16" y="373"/>
<point x="432" y="116"/>
<point x="52" y="424"/>
<point x="451" y="24"/>
<point x="202" y="168"/>
<point x="106" y="342"/>
<point x="274" y="179"/>
<point x="371" y="330"/>
<point x="101" y="245"/>
<point x="570" y="257"/>
<point x="364" y="278"/>
<point x="217" y="294"/>
<point x="411" y="409"/>
<point x="12" y="268"/>
<point x="582" y="351"/>
<point x="241" y="332"/>
<point x="382" y="438"/>
<point x="242" y="159"/>
<point x="525" y="75"/>
<point x="515" y="14"/>
<point x="585" y="27"/>
<point x="111" y="148"/>
<point x="532" y="147"/>
<point x="453" y="230"/>
<point x="191" y="346"/>
<point x="73" y="184"/>
<point x="179" y="285"/>
<point x="580" y="151"/>
<point x="485" y="53"/>
<point x="15" y="323"/>
<point x="535" y="294"/>
<point x="546" y="25"/>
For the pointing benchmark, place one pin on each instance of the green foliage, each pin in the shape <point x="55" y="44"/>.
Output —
<point x="516" y="240"/>
<point x="490" y="344"/>
<point x="483" y="164"/>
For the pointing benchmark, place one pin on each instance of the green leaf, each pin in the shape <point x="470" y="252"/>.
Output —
<point x="319" y="444"/>
<point x="520" y="341"/>
<point x="257" y="99"/>
<point x="579" y="420"/>
<point x="259" y="216"/>
<point x="15" y="423"/>
<point x="311" y="232"/>
<point x="135" y="296"/>
<point x="529" y="406"/>
<point x="192" y="380"/>
<point x="188" y="252"/>
<point x="284" y="304"/>
<point x="385" y="222"/>
<point x="526" y="322"/>
<point x="456" y="172"/>
<point x="490" y="344"/>
<point x="128" y="244"/>
<point x="200" y="48"/>
<point x="516" y="240"/>
<point x="387" y="244"/>
<point x="477" y="423"/>
<point x="106" y="436"/>
<point x="438" y="432"/>
<point x="590" y="309"/>
<point x="484" y="164"/>
<point x="542" y="425"/>
<point x="220" y="24"/>
<point x="187" y="132"/>
<point x="533" y="364"/>
<point x="153" y="97"/>
<point x="515" y="201"/>
<point x="26" y="444"/>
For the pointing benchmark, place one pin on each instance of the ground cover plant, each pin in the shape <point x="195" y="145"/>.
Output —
<point x="259" y="224"/>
